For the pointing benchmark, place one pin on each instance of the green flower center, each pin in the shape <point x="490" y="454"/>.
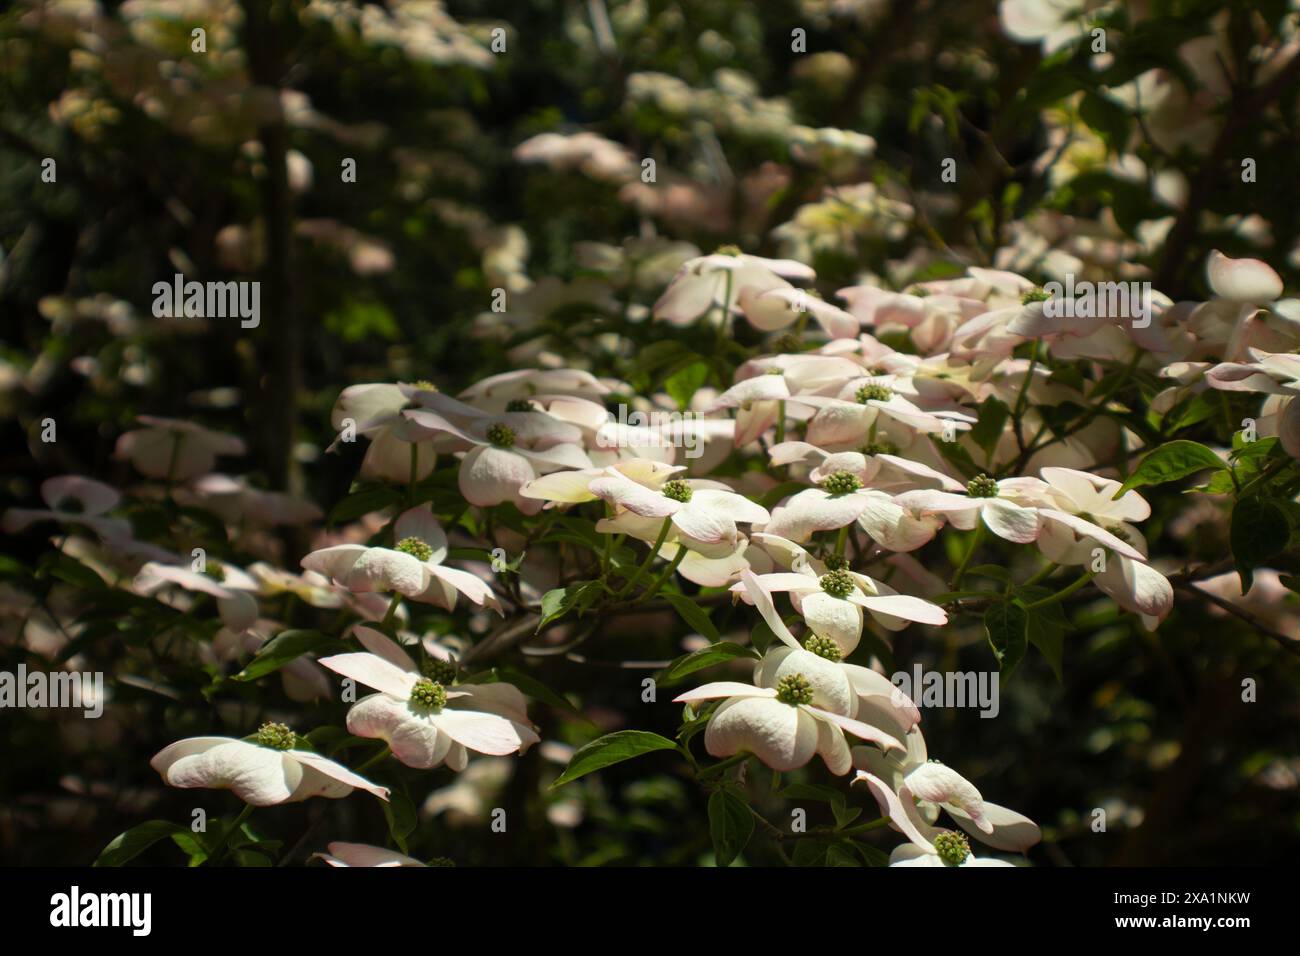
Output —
<point x="70" y="506"/>
<point x="276" y="736"/>
<point x="982" y="486"/>
<point x="438" y="671"/>
<point x="842" y="483"/>
<point x="424" y="385"/>
<point x="794" y="689"/>
<point x="880" y="448"/>
<point x="215" y="570"/>
<point x="501" y="435"/>
<point x="874" y="393"/>
<point x="838" y="583"/>
<point x="519" y="405"/>
<point x="677" y="490"/>
<point x="428" y="695"/>
<point x="823" y="647"/>
<point x="1036" y="294"/>
<point x="727" y="250"/>
<point x="952" y="847"/>
<point x="835" y="562"/>
<point x="416" y="548"/>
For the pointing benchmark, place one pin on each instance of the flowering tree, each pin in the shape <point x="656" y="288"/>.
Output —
<point x="728" y="414"/>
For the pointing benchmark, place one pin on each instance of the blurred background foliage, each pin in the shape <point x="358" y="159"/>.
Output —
<point x="227" y="164"/>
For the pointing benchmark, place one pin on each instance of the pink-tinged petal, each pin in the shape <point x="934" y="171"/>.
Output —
<point x="1137" y="587"/>
<point x="1242" y="280"/>
<point x="705" y="526"/>
<point x="836" y="618"/>
<point x="627" y="495"/>
<point x="918" y="470"/>
<point x="902" y="606"/>
<point x="760" y="388"/>
<point x="830" y="684"/>
<point x="569" y="487"/>
<point x="938" y="502"/>
<point x="385" y="569"/>
<point x="1090" y="530"/>
<point x="895" y="528"/>
<point x="868" y="684"/>
<point x="411" y="736"/>
<point x="781" y="736"/>
<point x="481" y="732"/>
<point x="833" y="748"/>
<point x="737" y="508"/>
<point x="856" y="727"/>
<point x="419" y="522"/>
<point x="814" y="510"/>
<point x="154" y="575"/>
<point x="557" y="456"/>
<point x="363" y="854"/>
<point x="257" y="775"/>
<point x="783" y="581"/>
<point x="723" y="688"/>
<point x="902" y="814"/>
<point x="789" y="452"/>
<point x="382" y="646"/>
<point x="470" y="585"/>
<point x="334" y="562"/>
<point x="762" y="599"/>
<point x="333" y="771"/>
<point x="373" y="671"/>
<point x="937" y="783"/>
<point x="490" y="475"/>
<point x="95" y="497"/>
<point x="1011" y="521"/>
<point x="1012" y="832"/>
<point x="688" y="297"/>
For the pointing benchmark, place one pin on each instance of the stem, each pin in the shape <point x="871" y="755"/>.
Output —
<point x="1051" y="566"/>
<point x="1065" y="592"/>
<point x="392" y="610"/>
<point x="649" y="558"/>
<point x="375" y="759"/>
<point x="780" y="422"/>
<point x="663" y="576"/>
<point x="970" y="553"/>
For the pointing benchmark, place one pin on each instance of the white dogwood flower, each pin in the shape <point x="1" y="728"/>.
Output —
<point x="413" y="567"/>
<point x="424" y="718"/>
<point x="267" y="772"/>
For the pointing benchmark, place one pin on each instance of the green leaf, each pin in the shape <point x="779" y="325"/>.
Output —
<point x="704" y="657"/>
<point x="560" y="601"/>
<point x="1259" y="530"/>
<point x="127" y="846"/>
<point x="730" y="825"/>
<point x="988" y="430"/>
<point x="1005" y="624"/>
<point x="683" y="384"/>
<point x="1169" y="462"/>
<point x="692" y="614"/>
<point x="1045" y="626"/>
<point x="363" y="502"/>
<point x="399" y="812"/>
<point x="611" y="749"/>
<point x="280" y="650"/>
